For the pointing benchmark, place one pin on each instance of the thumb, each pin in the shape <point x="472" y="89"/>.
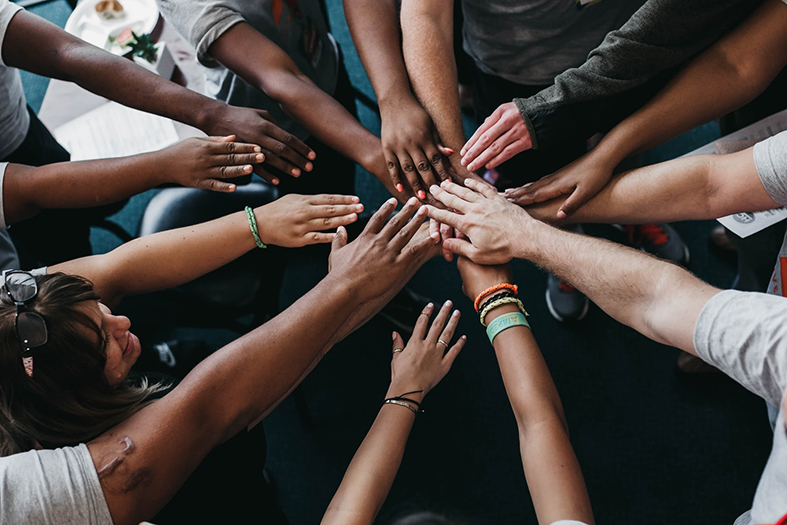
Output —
<point x="462" y="248"/>
<point x="340" y="239"/>
<point x="398" y="342"/>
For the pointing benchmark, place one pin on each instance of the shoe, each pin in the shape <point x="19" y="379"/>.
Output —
<point x="404" y="309"/>
<point x="660" y="240"/>
<point x="565" y="302"/>
<point x="174" y="358"/>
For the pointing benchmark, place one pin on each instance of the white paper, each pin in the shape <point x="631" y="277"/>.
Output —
<point x="745" y="224"/>
<point x="113" y="130"/>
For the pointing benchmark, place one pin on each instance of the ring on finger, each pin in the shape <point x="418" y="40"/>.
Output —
<point x="397" y="350"/>
<point x="441" y="342"/>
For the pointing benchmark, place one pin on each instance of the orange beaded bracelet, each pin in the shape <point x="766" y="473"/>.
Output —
<point x="502" y="286"/>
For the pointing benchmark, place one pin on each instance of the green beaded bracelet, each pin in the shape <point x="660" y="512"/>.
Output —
<point x="504" y="322"/>
<point x="253" y="227"/>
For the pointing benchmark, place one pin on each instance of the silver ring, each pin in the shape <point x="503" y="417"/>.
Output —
<point x="396" y="350"/>
<point x="440" y="341"/>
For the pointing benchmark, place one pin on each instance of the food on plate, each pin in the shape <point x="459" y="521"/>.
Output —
<point x="109" y="9"/>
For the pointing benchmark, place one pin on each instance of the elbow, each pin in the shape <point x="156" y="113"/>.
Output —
<point x="533" y="416"/>
<point x="285" y="87"/>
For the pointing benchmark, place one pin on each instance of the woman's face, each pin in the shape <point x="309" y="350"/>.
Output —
<point x="121" y="346"/>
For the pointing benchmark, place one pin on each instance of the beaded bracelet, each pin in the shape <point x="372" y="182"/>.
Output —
<point x="495" y="298"/>
<point x="501" y="302"/>
<point x="502" y="286"/>
<point x="253" y="227"/>
<point x="504" y="322"/>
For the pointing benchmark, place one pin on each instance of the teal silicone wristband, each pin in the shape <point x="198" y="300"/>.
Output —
<point x="253" y="227"/>
<point x="504" y="322"/>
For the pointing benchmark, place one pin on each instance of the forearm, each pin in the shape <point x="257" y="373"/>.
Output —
<point x="52" y="52"/>
<point x="554" y="477"/>
<point x="726" y="76"/>
<point x="27" y="190"/>
<point x="656" y="298"/>
<point x="427" y="44"/>
<point x="372" y="471"/>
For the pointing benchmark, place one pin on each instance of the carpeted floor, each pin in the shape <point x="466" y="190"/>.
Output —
<point x="655" y="446"/>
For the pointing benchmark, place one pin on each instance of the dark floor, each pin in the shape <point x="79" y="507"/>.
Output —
<point x="655" y="446"/>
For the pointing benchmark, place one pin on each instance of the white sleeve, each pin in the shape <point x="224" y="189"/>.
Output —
<point x="770" y="159"/>
<point x="7" y="12"/>
<point x="744" y="334"/>
<point x="3" y="166"/>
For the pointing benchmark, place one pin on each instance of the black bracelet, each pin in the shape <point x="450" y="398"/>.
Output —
<point x="404" y="401"/>
<point x="495" y="298"/>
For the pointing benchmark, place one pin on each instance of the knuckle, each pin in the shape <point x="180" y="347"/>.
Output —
<point x="407" y="167"/>
<point x="436" y="158"/>
<point x="280" y="148"/>
<point x="222" y="173"/>
<point x="424" y="166"/>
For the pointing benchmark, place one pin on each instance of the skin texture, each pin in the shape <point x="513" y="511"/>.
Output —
<point x="246" y="379"/>
<point x="689" y="188"/>
<point x="195" y="162"/>
<point x="502" y="135"/>
<point x="415" y="370"/>
<point x="725" y="77"/>
<point x="658" y="299"/>
<point x="263" y="64"/>
<point x="35" y="45"/>
<point x="413" y="151"/>
<point x="554" y="478"/>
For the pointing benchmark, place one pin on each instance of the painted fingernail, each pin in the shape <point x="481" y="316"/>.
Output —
<point x="421" y="194"/>
<point x="399" y="188"/>
<point x="450" y="151"/>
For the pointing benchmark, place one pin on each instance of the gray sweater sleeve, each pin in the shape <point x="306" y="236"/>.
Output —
<point x="660" y="36"/>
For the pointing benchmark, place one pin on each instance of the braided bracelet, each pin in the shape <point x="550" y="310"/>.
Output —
<point x="502" y="286"/>
<point x="253" y="227"/>
<point x="501" y="302"/>
<point x="495" y="298"/>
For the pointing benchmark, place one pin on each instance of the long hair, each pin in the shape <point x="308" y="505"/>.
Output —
<point x="68" y="400"/>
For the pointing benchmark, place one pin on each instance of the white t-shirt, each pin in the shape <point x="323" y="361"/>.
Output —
<point x="52" y="486"/>
<point x="9" y="260"/>
<point x="744" y="334"/>
<point x="14" y="120"/>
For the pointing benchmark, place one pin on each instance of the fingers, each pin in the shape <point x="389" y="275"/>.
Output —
<point x="450" y="327"/>
<point x="446" y="232"/>
<point x="329" y="223"/>
<point x="495" y="149"/>
<point x="573" y="203"/>
<point x="405" y="234"/>
<point x="227" y="145"/>
<point x="411" y="175"/>
<point x="461" y="192"/>
<point x="419" y="332"/>
<point x="325" y="211"/>
<point x="301" y="153"/>
<point x="229" y="172"/>
<point x="472" y="144"/>
<point x="509" y="152"/>
<point x="377" y="221"/>
<point x="434" y="228"/>
<point x="393" y="171"/>
<point x="291" y="154"/>
<point x="266" y="176"/>
<point x="462" y="248"/>
<point x="491" y="143"/>
<point x="539" y="191"/>
<point x="487" y="190"/>
<point x="319" y="238"/>
<point x="448" y="198"/>
<point x="398" y="221"/>
<point x="339" y="239"/>
<point x="450" y="356"/>
<point x="235" y="159"/>
<point x="398" y="344"/>
<point x="216" y="185"/>
<point x="424" y="167"/>
<point x="444" y="216"/>
<point x="439" y="323"/>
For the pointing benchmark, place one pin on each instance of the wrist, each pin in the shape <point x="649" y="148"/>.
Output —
<point x="211" y="116"/>
<point x="408" y="390"/>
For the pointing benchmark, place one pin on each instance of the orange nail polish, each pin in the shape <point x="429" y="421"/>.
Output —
<point x="399" y="188"/>
<point x="450" y="151"/>
<point x="421" y="194"/>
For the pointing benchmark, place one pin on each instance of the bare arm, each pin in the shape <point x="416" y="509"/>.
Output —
<point x="415" y="369"/>
<point x="33" y="44"/>
<point x="731" y="73"/>
<point x="427" y="44"/>
<point x="688" y="188"/>
<point x="264" y="65"/>
<point x="235" y="385"/>
<point x="174" y="257"/>
<point x="554" y="478"/>
<point x="196" y="162"/>
<point x="658" y="299"/>
<point x="411" y="145"/>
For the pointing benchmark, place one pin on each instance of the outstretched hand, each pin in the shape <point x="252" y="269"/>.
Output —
<point x="414" y="154"/>
<point x="502" y="135"/>
<point x="581" y="181"/>
<point x="427" y="358"/>
<point x="205" y="162"/>
<point x="491" y="223"/>
<point x="282" y="150"/>
<point x="383" y="254"/>
<point x="293" y="221"/>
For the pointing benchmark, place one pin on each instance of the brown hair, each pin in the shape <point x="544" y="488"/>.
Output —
<point x="68" y="400"/>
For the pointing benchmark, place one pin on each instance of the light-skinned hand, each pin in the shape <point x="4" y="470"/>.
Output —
<point x="298" y="220"/>
<point x="425" y="360"/>
<point x="282" y="150"/>
<point x="502" y="135"/>
<point x="490" y="222"/>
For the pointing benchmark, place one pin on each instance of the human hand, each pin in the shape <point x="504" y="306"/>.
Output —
<point x="414" y="154"/>
<point x="419" y="366"/>
<point x="205" y="162"/>
<point x="491" y="223"/>
<point x="502" y="135"/>
<point x="293" y="221"/>
<point x="382" y="256"/>
<point x="282" y="150"/>
<point x="581" y="181"/>
<point x="477" y="277"/>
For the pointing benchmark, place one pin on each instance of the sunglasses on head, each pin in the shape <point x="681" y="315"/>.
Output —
<point x="21" y="287"/>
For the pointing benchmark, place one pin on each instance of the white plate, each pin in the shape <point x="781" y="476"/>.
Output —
<point x="140" y="15"/>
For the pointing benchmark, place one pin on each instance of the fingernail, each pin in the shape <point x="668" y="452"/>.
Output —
<point x="430" y="305"/>
<point x="450" y="151"/>
<point x="359" y="207"/>
<point x="399" y="188"/>
<point x="275" y="181"/>
<point x="421" y="194"/>
<point x="391" y="201"/>
<point x="463" y="162"/>
<point x="356" y="198"/>
<point x="232" y="187"/>
<point x="393" y="336"/>
<point x="312" y="155"/>
<point x="257" y="149"/>
<point x="456" y="313"/>
<point x="260" y="157"/>
<point x="435" y="236"/>
<point x="411" y="201"/>
<point x="444" y="184"/>
<point x="463" y="337"/>
<point x="561" y="214"/>
<point x="296" y="172"/>
<point x="309" y="166"/>
<point x="447" y="303"/>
